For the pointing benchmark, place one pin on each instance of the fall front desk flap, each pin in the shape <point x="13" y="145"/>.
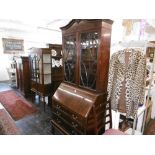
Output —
<point x="76" y="99"/>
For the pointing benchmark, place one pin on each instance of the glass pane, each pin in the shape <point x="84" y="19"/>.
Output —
<point x="35" y="70"/>
<point x="88" y="61"/>
<point x="69" y="58"/>
<point x="47" y="68"/>
<point x="47" y="79"/>
<point x="46" y="58"/>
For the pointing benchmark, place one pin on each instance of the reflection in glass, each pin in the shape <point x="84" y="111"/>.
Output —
<point x="88" y="62"/>
<point x="35" y="61"/>
<point x="69" y="58"/>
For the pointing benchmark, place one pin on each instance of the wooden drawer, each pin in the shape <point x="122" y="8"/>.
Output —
<point x="71" y="127"/>
<point x="65" y="116"/>
<point x="81" y="121"/>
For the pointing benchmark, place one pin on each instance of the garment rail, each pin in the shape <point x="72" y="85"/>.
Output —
<point x="143" y="45"/>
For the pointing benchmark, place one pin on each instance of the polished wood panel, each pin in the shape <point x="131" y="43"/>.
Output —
<point x="23" y="75"/>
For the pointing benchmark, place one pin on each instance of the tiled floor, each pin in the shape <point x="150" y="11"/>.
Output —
<point x="35" y="124"/>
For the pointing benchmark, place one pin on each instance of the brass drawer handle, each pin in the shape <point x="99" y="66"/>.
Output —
<point x="58" y="113"/>
<point x="58" y="106"/>
<point x="58" y="121"/>
<point x="74" y="117"/>
<point x="74" y="125"/>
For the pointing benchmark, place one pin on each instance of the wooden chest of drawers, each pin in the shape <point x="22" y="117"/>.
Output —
<point x="77" y="111"/>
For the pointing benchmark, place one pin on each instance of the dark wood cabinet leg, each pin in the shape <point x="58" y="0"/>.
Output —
<point x="53" y="130"/>
<point x="44" y="103"/>
<point x="49" y="100"/>
<point x="33" y="96"/>
<point x="39" y="98"/>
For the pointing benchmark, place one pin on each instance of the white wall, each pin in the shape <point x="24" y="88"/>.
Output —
<point x="117" y="31"/>
<point x="33" y="38"/>
<point x="3" y="64"/>
<point x="116" y="35"/>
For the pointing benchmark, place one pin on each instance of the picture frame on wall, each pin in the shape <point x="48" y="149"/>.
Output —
<point x="12" y="46"/>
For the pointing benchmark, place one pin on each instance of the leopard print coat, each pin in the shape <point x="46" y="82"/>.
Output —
<point x="133" y="73"/>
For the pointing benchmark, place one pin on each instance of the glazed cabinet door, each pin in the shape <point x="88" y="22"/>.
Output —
<point x="70" y="58"/>
<point x="89" y="43"/>
<point x="35" y="61"/>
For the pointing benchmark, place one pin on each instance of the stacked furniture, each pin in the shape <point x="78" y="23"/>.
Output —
<point x="79" y="104"/>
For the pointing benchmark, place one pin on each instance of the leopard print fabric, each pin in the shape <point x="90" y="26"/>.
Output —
<point x="134" y="75"/>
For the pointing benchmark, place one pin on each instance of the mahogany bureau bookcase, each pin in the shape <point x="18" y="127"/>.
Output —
<point x="79" y="103"/>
